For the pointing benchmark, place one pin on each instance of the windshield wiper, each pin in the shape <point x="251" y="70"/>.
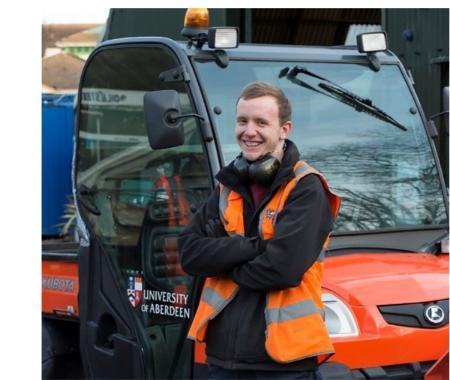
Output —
<point x="342" y="95"/>
<point x="360" y="104"/>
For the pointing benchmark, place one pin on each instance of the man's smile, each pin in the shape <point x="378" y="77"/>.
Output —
<point x="252" y="144"/>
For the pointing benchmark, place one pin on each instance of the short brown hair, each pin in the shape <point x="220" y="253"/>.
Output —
<point x="257" y="89"/>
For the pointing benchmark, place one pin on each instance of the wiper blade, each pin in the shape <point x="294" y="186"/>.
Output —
<point x="360" y="104"/>
<point x="341" y="94"/>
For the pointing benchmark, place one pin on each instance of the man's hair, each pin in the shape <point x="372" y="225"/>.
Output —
<point x="257" y="89"/>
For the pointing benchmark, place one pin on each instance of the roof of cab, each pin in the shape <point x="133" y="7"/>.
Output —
<point x="271" y="52"/>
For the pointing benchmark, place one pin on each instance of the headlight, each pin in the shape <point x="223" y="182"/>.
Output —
<point x="338" y="317"/>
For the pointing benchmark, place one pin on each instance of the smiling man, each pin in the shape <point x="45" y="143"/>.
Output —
<point x="258" y="243"/>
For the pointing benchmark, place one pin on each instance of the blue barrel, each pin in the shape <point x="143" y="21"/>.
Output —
<point x="58" y="118"/>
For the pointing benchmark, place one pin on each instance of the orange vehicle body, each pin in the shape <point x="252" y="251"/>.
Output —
<point x="60" y="288"/>
<point x="366" y="281"/>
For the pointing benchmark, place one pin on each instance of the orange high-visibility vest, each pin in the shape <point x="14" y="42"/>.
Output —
<point x="294" y="316"/>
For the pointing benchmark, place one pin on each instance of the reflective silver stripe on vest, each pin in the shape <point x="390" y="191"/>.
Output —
<point x="304" y="167"/>
<point x="321" y="257"/>
<point x="223" y="202"/>
<point x="287" y="313"/>
<point x="261" y="215"/>
<point x="212" y="298"/>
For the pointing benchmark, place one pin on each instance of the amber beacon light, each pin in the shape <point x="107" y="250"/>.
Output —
<point x="196" y="21"/>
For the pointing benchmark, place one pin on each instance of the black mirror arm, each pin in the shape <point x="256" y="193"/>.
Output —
<point x="171" y="118"/>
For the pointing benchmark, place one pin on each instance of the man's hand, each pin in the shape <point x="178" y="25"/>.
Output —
<point x="214" y="228"/>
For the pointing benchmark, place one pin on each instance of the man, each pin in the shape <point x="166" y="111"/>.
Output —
<point x="258" y="241"/>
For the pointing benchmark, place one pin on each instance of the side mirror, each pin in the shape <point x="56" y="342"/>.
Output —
<point x="162" y="119"/>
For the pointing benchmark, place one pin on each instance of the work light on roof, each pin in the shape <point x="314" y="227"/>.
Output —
<point x="222" y="38"/>
<point x="196" y="22"/>
<point x="371" y="42"/>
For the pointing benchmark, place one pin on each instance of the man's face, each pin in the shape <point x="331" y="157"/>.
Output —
<point x="258" y="130"/>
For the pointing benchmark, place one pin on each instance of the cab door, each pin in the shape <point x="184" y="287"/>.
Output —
<point x="134" y="297"/>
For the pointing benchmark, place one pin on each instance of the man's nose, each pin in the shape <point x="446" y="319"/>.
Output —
<point x="250" y="129"/>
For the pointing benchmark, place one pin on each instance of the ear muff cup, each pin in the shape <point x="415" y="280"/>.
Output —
<point x="262" y="171"/>
<point x="241" y="165"/>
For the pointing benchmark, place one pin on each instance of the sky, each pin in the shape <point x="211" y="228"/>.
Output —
<point x="60" y="15"/>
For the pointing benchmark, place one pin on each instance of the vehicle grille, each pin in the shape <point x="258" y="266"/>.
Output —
<point x="415" y="314"/>
<point x="410" y="371"/>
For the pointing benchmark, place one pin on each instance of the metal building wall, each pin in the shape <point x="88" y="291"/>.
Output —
<point x="308" y="26"/>
<point x="298" y="26"/>
<point x="420" y="39"/>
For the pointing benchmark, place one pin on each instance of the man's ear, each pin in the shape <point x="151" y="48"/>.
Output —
<point x="286" y="129"/>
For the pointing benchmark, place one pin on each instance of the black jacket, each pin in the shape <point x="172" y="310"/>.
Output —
<point x="235" y="338"/>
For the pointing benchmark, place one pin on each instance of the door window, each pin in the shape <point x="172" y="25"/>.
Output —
<point x="138" y="199"/>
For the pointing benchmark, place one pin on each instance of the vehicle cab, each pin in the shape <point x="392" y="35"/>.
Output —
<point x="155" y="122"/>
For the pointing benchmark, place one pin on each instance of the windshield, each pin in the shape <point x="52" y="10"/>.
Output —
<point x="386" y="177"/>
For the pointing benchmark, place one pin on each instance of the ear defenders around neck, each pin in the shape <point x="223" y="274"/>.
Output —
<point x="262" y="171"/>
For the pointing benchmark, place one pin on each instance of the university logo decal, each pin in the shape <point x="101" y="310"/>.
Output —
<point x="134" y="290"/>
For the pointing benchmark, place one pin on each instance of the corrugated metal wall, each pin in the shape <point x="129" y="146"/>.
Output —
<point x="308" y="26"/>
<point x="275" y="25"/>
<point x="420" y="38"/>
